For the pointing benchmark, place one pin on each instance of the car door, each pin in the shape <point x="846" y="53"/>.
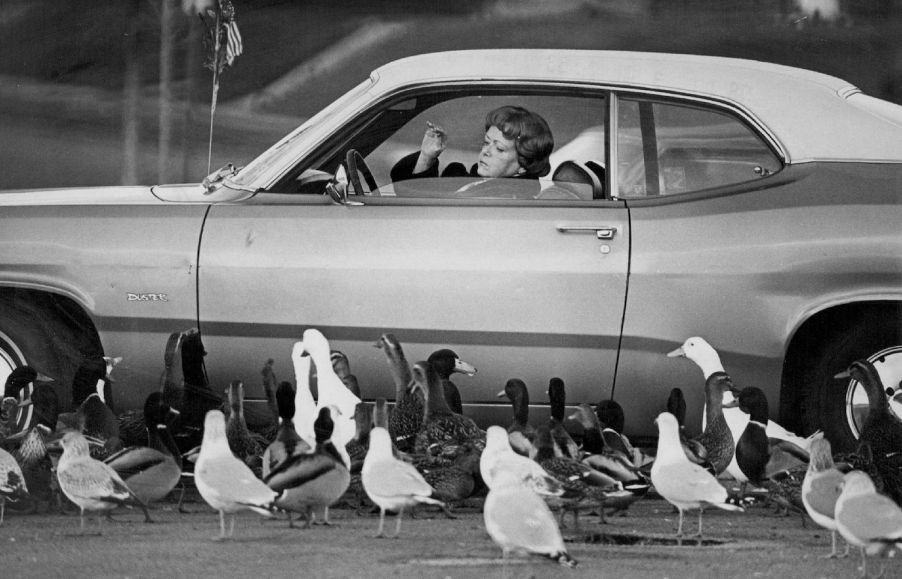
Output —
<point x="530" y="289"/>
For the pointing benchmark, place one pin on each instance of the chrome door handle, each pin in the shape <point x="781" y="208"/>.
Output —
<point x="601" y="231"/>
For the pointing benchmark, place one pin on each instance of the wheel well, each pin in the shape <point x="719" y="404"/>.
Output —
<point x="798" y="408"/>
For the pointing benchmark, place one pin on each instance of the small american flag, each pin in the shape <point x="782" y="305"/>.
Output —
<point x="226" y="37"/>
<point x="233" y="37"/>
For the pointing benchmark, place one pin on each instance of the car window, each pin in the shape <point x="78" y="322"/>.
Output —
<point x="386" y="134"/>
<point x="666" y="148"/>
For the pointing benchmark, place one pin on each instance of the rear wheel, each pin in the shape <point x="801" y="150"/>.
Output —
<point x="842" y="405"/>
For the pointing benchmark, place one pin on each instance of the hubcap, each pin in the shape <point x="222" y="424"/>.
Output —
<point x="888" y="363"/>
<point x="10" y="358"/>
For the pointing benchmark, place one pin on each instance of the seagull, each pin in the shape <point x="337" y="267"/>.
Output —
<point x="226" y="483"/>
<point x="820" y="490"/>
<point x="392" y="484"/>
<point x="518" y="520"/>
<point x="707" y="359"/>
<point x="682" y="483"/>
<point x="12" y="482"/>
<point x="499" y="457"/>
<point x="870" y="521"/>
<point x="90" y="484"/>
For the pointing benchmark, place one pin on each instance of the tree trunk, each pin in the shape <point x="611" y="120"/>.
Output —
<point x="167" y="42"/>
<point x="131" y="96"/>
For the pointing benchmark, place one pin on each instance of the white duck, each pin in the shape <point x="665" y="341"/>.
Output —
<point x="305" y="411"/>
<point x="706" y="357"/>
<point x="331" y="389"/>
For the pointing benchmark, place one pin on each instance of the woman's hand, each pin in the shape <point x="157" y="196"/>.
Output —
<point x="432" y="146"/>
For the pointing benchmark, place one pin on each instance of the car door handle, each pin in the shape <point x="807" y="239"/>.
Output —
<point x="601" y="231"/>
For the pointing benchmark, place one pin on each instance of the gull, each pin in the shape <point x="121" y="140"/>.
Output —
<point x="866" y="519"/>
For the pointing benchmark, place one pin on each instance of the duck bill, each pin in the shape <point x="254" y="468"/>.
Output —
<point x="502" y="394"/>
<point x="678" y="353"/>
<point x="464" y="368"/>
<point x="25" y="403"/>
<point x="734" y="403"/>
<point x="844" y="375"/>
<point x="43" y="378"/>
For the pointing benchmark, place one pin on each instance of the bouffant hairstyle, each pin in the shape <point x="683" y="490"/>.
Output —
<point x="529" y="132"/>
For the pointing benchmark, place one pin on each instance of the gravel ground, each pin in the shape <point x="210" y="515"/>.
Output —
<point x="756" y="543"/>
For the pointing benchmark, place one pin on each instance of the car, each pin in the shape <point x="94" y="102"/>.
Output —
<point x="751" y="204"/>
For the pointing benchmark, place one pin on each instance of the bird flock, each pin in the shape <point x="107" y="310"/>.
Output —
<point x="421" y="451"/>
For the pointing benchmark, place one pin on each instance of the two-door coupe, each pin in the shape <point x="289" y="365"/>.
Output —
<point x="755" y="205"/>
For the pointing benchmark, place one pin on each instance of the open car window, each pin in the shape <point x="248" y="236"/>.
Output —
<point x="664" y="148"/>
<point x="386" y="134"/>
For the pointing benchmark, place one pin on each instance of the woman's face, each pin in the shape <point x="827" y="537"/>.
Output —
<point x="498" y="157"/>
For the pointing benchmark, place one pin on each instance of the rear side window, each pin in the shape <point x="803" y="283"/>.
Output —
<point x="666" y="148"/>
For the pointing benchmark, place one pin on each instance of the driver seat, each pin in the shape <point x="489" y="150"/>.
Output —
<point x="583" y="180"/>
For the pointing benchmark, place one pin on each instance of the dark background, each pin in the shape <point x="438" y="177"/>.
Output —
<point x="64" y="93"/>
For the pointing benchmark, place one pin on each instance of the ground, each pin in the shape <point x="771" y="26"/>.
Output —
<point x="753" y="544"/>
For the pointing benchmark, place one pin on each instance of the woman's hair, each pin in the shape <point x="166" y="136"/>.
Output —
<point x="529" y="132"/>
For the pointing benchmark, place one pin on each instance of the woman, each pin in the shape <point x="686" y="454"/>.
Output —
<point x="517" y="144"/>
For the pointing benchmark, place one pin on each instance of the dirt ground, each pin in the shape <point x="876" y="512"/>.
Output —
<point x="756" y="543"/>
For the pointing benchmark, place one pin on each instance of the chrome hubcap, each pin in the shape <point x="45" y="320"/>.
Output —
<point x="888" y="363"/>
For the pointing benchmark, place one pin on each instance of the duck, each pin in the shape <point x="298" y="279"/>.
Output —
<point x="392" y="484"/>
<point x="454" y="482"/>
<point x="867" y="519"/>
<point x="357" y="446"/>
<point x="681" y="482"/>
<point x="342" y="367"/>
<point x="447" y="362"/>
<point x="881" y="432"/>
<point x="585" y="487"/>
<point x="598" y="455"/>
<point x="407" y="416"/>
<point x="89" y="483"/>
<point x="33" y="457"/>
<point x="288" y="442"/>
<point x="94" y="375"/>
<point x="676" y="405"/>
<point x="12" y="482"/>
<point x="151" y="472"/>
<point x="516" y="391"/>
<point x="304" y="403"/>
<point x="557" y="397"/>
<point x="270" y="385"/>
<point x="613" y="421"/>
<point x="225" y="482"/>
<point x="707" y="359"/>
<point x="245" y="445"/>
<point x="332" y="392"/>
<point x="443" y="432"/>
<point x="518" y="520"/>
<point x="96" y="420"/>
<point x="821" y="488"/>
<point x="498" y="456"/>
<point x="716" y="439"/>
<point x="311" y="482"/>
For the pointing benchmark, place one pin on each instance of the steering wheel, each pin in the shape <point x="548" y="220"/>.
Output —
<point x="356" y="166"/>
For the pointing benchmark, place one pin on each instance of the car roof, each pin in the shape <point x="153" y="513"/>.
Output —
<point x="812" y="116"/>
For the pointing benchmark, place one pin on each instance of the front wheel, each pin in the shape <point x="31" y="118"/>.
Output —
<point x="842" y="405"/>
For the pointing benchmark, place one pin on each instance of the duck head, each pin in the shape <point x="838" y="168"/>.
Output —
<point x="447" y="362"/>
<point x="700" y="352"/>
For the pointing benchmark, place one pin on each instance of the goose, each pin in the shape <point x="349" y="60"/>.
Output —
<point x="881" y="432"/>
<point x="89" y="483"/>
<point x="557" y="397"/>
<point x="518" y="520"/>
<point x="821" y="489"/>
<point x="706" y="357"/>
<point x="516" y="391"/>
<point x="12" y="482"/>
<point x="331" y="390"/>
<point x="151" y="472"/>
<point x="867" y="519"/>
<point x="310" y="482"/>
<point x="390" y="483"/>
<point x="288" y="442"/>
<point x="447" y="362"/>
<point x="443" y="432"/>
<point x="680" y="482"/>
<point x="226" y="483"/>
<point x="407" y="416"/>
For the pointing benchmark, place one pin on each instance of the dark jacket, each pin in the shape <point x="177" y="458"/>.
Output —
<point x="403" y="171"/>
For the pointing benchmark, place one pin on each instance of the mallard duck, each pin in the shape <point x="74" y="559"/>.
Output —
<point x="518" y="520"/>
<point x="820" y="490"/>
<point x="557" y="396"/>
<point x="226" y="483"/>
<point x="342" y="367"/>
<point x="598" y="455"/>
<point x="287" y="443"/>
<point x="197" y="397"/>
<point x="407" y="416"/>
<point x="881" y="432"/>
<point x="613" y="420"/>
<point x="516" y="391"/>
<point x="89" y="483"/>
<point x="96" y="420"/>
<point x="867" y="519"/>
<point x="456" y="481"/>
<point x="393" y="485"/>
<point x="442" y="429"/>
<point x="357" y="446"/>
<point x="680" y="482"/>
<point x="311" y="481"/>
<point x="716" y="440"/>
<point x="21" y="385"/>
<point x="245" y="445"/>
<point x="447" y="362"/>
<point x="153" y="470"/>
<point x="12" y="482"/>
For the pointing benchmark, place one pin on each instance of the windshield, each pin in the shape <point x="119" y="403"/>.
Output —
<point x="281" y="153"/>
